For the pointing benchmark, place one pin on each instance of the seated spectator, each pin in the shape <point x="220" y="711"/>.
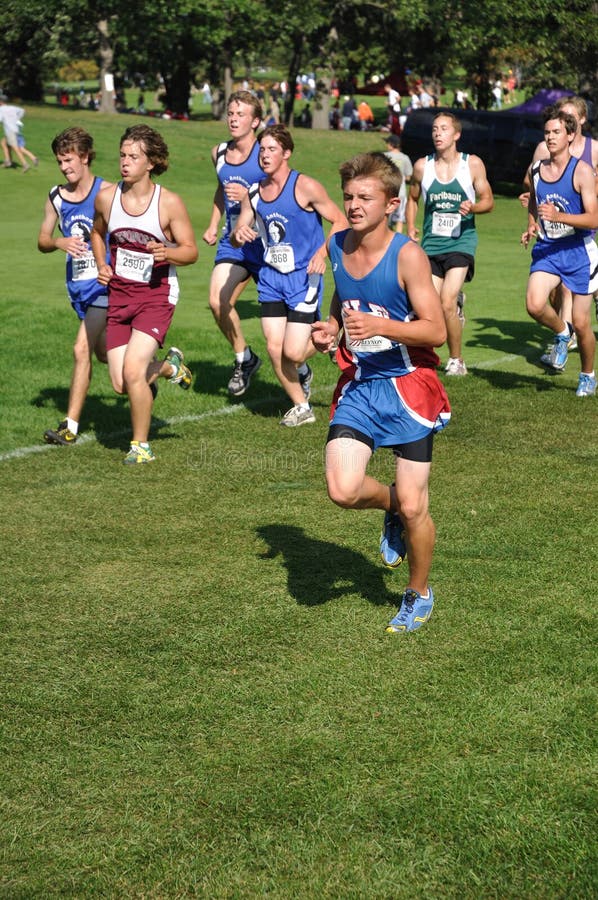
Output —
<point x="365" y="115"/>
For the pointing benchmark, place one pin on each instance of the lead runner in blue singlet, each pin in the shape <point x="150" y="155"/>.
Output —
<point x="389" y="394"/>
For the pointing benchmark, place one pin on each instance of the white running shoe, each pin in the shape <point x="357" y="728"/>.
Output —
<point x="297" y="416"/>
<point x="456" y="367"/>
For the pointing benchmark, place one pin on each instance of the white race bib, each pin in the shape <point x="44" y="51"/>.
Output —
<point x="84" y="267"/>
<point x="281" y="257"/>
<point x="374" y="344"/>
<point x="446" y="224"/>
<point x="557" y="230"/>
<point x="370" y="345"/>
<point x="134" y="266"/>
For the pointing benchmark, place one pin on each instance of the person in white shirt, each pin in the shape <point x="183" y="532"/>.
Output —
<point x="11" y="118"/>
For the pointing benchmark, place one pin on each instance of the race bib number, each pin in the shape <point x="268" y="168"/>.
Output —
<point x="134" y="266"/>
<point x="556" y="230"/>
<point x="84" y="267"/>
<point x="374" y="344"/>
<point x="446" y="224"/>
<point x="281" y="257"/>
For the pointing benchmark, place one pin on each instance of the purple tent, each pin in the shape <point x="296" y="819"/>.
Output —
<point x="539" y="101"/>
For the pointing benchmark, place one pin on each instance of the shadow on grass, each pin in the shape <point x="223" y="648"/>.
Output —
<point x="212" y="378"/>
<point x="109" y="419"/>
<point x="320" y="571"/>
<point x="525" y="339"/>
<point x="510" y="380"/>
<point x="263" y="398"/>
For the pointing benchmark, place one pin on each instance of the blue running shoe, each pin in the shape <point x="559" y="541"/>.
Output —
<point x="393" y="548"/>
<point x="586" y="386"/>
<point x="556" y="357"/>
<point x="414" y="612"/>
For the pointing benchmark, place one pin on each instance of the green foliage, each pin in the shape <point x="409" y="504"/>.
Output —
<point x="79" y="70"/>
<point x="553" y="43"/>
<point x="24" y="39"/>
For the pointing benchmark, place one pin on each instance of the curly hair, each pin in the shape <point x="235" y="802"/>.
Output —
<point x="154" y="145"/>
<point x="554" y="112"/>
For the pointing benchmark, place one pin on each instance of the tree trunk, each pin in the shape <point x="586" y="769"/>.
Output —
<point x="321" y="114"/>
<point x="294" y="66"/>
<point x="177" y="86"/>
<point x="106" y="77"/>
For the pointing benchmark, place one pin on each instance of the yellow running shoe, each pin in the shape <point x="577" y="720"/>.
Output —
<point x="60" y="435"/>
<point x="182" y="375"/>
<point x="138" y="454"/>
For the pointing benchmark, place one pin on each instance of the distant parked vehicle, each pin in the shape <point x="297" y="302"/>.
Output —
<point x="505" y="141"/>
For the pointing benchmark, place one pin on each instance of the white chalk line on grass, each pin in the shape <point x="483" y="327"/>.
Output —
<point x="89" y="438"/>
<point x="492" y="363"/>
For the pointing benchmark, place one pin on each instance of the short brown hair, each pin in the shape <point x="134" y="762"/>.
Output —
<point x="578" y="103"/>
<point x="154" y="145"/>
<point x="373" y="165"/>
<point x="76" y="139"/>
<point x="250" y="100"/>
<point x="449" y="115"/>
<point x="281" y="135"/>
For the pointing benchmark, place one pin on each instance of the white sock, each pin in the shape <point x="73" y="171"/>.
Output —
<point x="72" y="425"/>
<point x="303" y="369"/>
<point x="244" y="355"/>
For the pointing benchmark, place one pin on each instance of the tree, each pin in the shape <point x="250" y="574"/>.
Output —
<point x="106" y="52"/>
<point x="555" y="43"/>
<point x="28" y="47"/>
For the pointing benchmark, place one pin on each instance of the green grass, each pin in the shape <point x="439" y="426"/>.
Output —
<point x="198" y="695"/>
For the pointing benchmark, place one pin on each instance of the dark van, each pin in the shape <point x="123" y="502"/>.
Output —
<point x="504" y="141"/>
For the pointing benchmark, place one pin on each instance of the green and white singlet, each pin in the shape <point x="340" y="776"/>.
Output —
<point x="445" y="229"/>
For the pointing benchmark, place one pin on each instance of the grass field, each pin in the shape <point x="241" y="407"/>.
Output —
<point x="199" y="698"/>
